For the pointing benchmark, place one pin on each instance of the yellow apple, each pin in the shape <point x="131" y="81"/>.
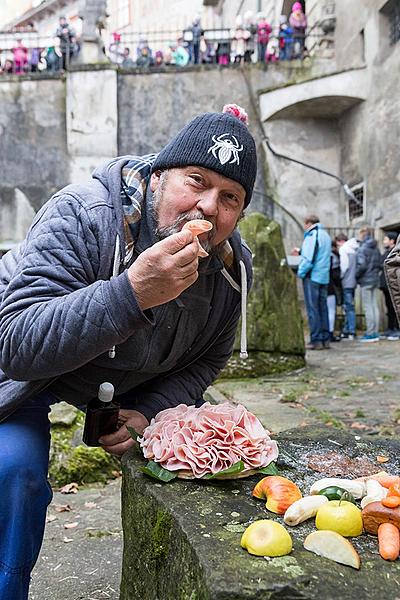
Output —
<point x="266" y="538"/>
<point x="340" y="516"/>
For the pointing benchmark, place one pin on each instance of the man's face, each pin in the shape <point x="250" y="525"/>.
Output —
<point x="388" y="243"/>
<point x="188" y="193"/>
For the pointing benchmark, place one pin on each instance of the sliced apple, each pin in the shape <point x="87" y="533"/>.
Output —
<point x="266" y="538"/>
<point x="279" y="492"/>
<point x="334" y="546"/>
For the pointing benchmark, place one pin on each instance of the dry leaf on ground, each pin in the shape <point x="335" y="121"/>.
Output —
<point x="382" y="459"/>
<point x="50" y="518"/>
<point x="67" y="540"/>
<point x="70" y="525"/>
<point x="90" y="505"/>
<point x="62" y="508"/>
<point x="70" y="488"/>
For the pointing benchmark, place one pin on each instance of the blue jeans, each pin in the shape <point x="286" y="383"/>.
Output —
<point x="315" y="297"/>
<point x="349" y="311"/>
<point x="25" y="493"/>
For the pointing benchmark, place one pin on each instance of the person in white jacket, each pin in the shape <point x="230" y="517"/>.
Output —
<point x="347" y="253"/>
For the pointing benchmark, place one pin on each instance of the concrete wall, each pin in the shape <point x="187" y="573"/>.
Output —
<point x="370" y="135"/>
<point x="152" y="108"/>
<point x="33" y="149"/>
<point x="303" y="191"/>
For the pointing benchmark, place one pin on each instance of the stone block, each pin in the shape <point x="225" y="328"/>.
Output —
<point x="182" y="539"/>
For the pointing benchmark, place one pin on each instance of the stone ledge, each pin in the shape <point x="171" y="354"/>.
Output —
<point x="182" y="539"/>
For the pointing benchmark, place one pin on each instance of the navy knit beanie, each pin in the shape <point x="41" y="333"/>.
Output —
<point x="217" y="141"/>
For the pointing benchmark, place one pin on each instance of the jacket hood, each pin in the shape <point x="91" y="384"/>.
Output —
<point x="351" y="246"/>
<point x="370" y="242"/>
<point x="313" y="228"/>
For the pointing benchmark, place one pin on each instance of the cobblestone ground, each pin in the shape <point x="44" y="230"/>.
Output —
<point x="353" y="386"/>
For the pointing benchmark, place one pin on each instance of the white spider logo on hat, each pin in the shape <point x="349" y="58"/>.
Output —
<point x="224" y="147"/>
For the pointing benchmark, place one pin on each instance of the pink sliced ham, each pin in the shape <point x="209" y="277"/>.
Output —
<point x="208" y="439"/>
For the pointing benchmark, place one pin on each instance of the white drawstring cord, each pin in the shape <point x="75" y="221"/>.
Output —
<point x="117" y="256"/>
<point x="242" y="289"/>
<point x="243" y="299"/>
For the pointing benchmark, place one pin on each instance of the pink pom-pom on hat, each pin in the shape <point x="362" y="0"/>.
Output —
<point x="236" y="111"/>
<point x="297" y="6"/>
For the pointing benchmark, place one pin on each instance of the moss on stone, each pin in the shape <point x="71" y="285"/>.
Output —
<point x="274" y="321"/>
<point x="160" y="534"/>
<point x="72" y="461"/>
<point x="260" y="364"/>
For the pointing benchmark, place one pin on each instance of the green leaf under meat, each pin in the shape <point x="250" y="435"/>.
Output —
<point x="156" y="471"/>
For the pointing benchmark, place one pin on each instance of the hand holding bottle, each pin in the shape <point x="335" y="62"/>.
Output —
<point x="119" y="442"/>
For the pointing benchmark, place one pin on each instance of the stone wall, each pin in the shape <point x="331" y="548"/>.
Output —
<point x="33" y="149"/>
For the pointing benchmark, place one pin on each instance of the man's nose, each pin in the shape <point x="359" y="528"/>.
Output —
<point x="208" y="203"/>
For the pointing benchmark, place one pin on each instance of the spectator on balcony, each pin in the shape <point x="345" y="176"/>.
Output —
<point x="34" y="59"/>
<point x="264" y="30"/>
<point x="67" y="38"/>
<point x="127" y="62"/>
<point x="8" y="67"/>
<point x="114" y="49"/>
<point x="180" y="56"/>
<point x="224" y="52"/>
<point x="143" y="43"/>
<point x="240" y="37"/>
<point x="285" y="39"/>
<point x="53" y="59"/>
<point x="158" y="59"/>
<point x="298" y="22"/>
<point x="20" y="54"/>
<point x="197" y="33"/>
<point x="144" y="61"/>
<point x="251" y="28"/>
<point x="272" y="53"/>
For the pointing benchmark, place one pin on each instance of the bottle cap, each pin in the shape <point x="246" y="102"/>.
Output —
<point x="106" y="392"/>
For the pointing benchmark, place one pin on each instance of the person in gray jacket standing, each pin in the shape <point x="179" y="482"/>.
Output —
<point x="347" y="253"/>
<point x="368" y="268"/>
<point x="108" y="286"/>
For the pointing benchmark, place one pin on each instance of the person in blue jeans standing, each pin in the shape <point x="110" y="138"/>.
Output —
<point x="109" y="287"/>
<point x="348" y="257"/>
<point x="314" y="270"/>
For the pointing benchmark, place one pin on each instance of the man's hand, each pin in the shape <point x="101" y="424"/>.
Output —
<point x="161" y="273"/>
<point x="119" y="442"/>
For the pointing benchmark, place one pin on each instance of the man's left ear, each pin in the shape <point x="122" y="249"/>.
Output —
<point x="155" y="180"/>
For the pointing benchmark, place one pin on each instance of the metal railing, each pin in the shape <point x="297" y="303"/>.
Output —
<point x="33" y="53"/>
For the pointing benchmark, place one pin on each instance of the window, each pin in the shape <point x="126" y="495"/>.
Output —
<point x="356" y="207"/>
<point x="391" y="10"/>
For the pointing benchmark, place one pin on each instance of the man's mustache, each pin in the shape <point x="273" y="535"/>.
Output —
<point x="176" y="226"/>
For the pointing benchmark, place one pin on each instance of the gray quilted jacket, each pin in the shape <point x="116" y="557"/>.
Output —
<point x="62" y="309"/>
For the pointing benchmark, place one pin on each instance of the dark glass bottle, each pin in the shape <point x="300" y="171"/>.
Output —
<point x="101" y="415"/>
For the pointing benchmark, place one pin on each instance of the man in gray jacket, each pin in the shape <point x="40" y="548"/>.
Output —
<point x="368" y="268"/>
<point x="108" y="287"/>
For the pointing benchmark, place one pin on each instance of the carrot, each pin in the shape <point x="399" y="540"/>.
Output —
<point x="389" y="541"/>
<point x="394" y="490"/>
<point x="391" y="501"/>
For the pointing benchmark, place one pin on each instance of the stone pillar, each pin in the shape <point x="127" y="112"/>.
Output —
<point x="92" y="118"/>
<point x="93" y="14"/>
<point x="275" y="339"/>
